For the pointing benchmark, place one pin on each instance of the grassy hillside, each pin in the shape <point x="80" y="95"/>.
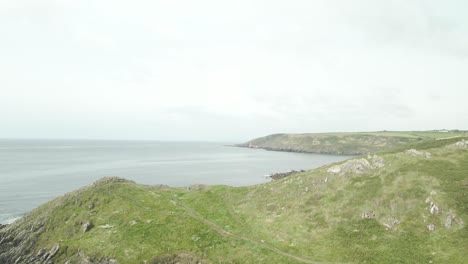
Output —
<point x="345" y="143"/>
<point x="401" y="206"/>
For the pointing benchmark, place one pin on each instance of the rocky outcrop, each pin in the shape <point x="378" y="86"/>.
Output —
<point x="358" y="166"/>
<point x="434" y="209"/>
<point x="460" y="144"/>
<point x="18" y="240"/>
<point x="49" y="255"/>
<point x="281" y="175"/>
<point x="451" y="220"/>
<point x="416" y="153"/>
<point x="17" y="243"/>
<point x="376" y="161"/>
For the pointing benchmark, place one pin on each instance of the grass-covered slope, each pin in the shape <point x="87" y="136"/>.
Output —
<point x="401" y="206"/>
<point x="345" y="143"/>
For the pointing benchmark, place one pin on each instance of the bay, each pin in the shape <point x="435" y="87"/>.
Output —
<point x="33" y="172"/>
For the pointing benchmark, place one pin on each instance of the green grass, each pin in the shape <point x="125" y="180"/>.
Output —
<point x="310" y="217"/>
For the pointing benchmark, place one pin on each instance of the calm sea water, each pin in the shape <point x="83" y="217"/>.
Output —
<point x="35" y="171"/>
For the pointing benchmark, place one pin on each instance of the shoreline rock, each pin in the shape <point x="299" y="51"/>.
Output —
<point x="281" y="175"/>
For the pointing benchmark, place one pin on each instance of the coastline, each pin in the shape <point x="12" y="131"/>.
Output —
<point x="299" y="150"/>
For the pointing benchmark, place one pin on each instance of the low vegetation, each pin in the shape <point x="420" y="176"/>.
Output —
<point x="397" y="206"/>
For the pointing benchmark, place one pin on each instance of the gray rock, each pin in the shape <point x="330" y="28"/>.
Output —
<point x="434" y="209"/>
<point x="377" y="161"/>
<point x="368" y="214"/>
<point x="431" y="227"/>
<point x="451" y="219"/>
<point x="41" y="252"/>
<point x="358" y="166"/>
<point x="17" y="241"/>
<point x="391" y="223"/>
<point x="460" y="144"/>
<point x="416" y="153"/>
<point x="52" y="252"/>
<point x="87" y="226"/>
<point x="448" y="221"/>
<point x="91" y="206"/>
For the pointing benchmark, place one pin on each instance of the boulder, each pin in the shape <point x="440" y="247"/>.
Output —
<point x="368" y="214"/>
<point x="434" y="209"/>
<point x="431" y="227"/>
<point x="87" y="226"/>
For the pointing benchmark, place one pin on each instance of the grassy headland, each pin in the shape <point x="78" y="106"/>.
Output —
<point x="345" y="143"/>
<point x="407" y="205"/>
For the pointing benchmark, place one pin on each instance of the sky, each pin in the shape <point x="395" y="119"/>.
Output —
<point x="216" y="70"/>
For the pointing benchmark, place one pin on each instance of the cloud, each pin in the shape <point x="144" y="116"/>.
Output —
<point x="248" y="67"/>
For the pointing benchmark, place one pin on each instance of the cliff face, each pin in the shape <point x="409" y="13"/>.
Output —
<point x="20" y="242"/>
<point x="402" y="206"/>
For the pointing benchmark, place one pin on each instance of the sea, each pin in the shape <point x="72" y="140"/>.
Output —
<point x="33" y="172"/>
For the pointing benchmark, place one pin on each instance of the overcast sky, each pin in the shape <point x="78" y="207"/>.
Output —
<point x="230" y="70"/>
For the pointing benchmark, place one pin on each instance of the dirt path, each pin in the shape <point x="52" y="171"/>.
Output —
<point x="227" y="201"/>
<point x="225" y="233"/>
<point x="195" y="215"/>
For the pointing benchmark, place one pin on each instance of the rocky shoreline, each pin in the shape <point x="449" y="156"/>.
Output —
<point x="294" y="150"/>
<point x="281" y="175"/>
